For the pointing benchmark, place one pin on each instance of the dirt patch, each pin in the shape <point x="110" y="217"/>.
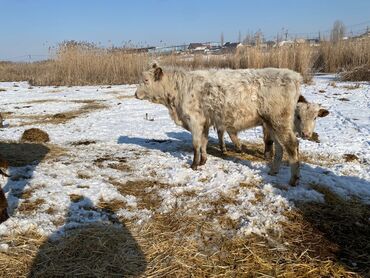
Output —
<point x="145" y="191"/>
<point x="251" y="151"/>
<point x="83" y="143"/>
<point x="60" y="118"/>
<point x="117" y="163"/>
<point x="35" y="135"/>
<point x="349" y="157"/>
<point x="343" y="99"/>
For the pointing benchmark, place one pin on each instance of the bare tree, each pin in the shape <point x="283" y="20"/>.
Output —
<point x="222" y="38"/>
<point x="338" y="31"/>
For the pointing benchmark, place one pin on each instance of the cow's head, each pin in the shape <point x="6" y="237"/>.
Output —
<point x="305" y="117"/>
<point x="150" y="88"/>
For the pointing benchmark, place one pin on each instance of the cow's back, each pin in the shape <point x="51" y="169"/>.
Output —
<point x="239" y="99"/>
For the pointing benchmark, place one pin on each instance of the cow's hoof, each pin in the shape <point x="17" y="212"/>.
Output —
<point x="272" y="173"/>
<point x="194" y="166"/>
<point x="293" y="181"/>
<point x="224" y="151"/>
<point x="202" y="162"/>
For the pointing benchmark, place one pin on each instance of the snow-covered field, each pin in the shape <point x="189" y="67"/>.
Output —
<point x="125" y="139"/>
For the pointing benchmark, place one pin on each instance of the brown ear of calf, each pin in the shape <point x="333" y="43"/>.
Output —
<point x="323" y="113"/>
<point x="302" y="99"/>
<point x="158" y="74"/>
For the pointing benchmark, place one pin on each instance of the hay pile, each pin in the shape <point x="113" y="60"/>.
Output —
<point x="35" y="135"/>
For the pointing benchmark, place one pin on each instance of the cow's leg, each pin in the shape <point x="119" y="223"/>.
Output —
<point x="221" y="140"/>
<point x="278" y="157"/>
<point x="197" y="134"/>
<point x="289" y="141"/>
<point x="269" y="143"/>
<point x="203" y="157"/>
<point x="234" y="138"/>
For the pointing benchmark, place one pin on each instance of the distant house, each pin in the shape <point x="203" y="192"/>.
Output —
<point x="199" y="47"/>
<point x="230" y="46"/>
<point x="195" y="45"/>
<point x="362" y="36"/>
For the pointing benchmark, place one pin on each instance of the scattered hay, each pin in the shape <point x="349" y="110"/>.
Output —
<point x="60" y="118"/>
<point x="322" y="91"/>
<point x="349" y="157"/>
<point x="91" y="251"/>
<point x="29" y="207"/>
<point x="2" y="90"/>
<point x="314" y="137"/>
<point x="75" y="198"/>
<point x="111" y="206"/>
<point x="345" y="223"/>
<point x="35" y="135"/>
<point x="17" y="261"/>
<point x="146" y="191"/>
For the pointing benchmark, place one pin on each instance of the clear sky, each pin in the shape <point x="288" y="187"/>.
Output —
<point x="31" y="26"/>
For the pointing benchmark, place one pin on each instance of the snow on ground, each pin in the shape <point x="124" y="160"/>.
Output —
<point x="142" y="140"/>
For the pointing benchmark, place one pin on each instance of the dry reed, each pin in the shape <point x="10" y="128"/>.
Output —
<point x="85" y="64"/>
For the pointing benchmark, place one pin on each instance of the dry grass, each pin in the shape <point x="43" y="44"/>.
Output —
<point x="85" y="64"/>
<point x="30" y="206"/>
<point x="78" y="64"/>
<point x="318" y="240"/>
<point x="360" y="73"/>
<point x="343" y="55"/>
<point x="298" y="58"/>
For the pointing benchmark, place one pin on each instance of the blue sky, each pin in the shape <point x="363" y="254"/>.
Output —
<point x="30" y="27"/>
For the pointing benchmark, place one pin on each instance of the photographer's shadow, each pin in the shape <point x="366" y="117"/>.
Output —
<point x="22" y="159"/>
<point x="92" y="243"/>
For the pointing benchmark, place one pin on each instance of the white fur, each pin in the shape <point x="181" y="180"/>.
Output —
<point x="229" y="100"/>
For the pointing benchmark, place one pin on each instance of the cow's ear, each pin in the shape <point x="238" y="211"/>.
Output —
<point x="302" y="99"/>
<point x="158" y="74"/>
<point x="323" y="113"/>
